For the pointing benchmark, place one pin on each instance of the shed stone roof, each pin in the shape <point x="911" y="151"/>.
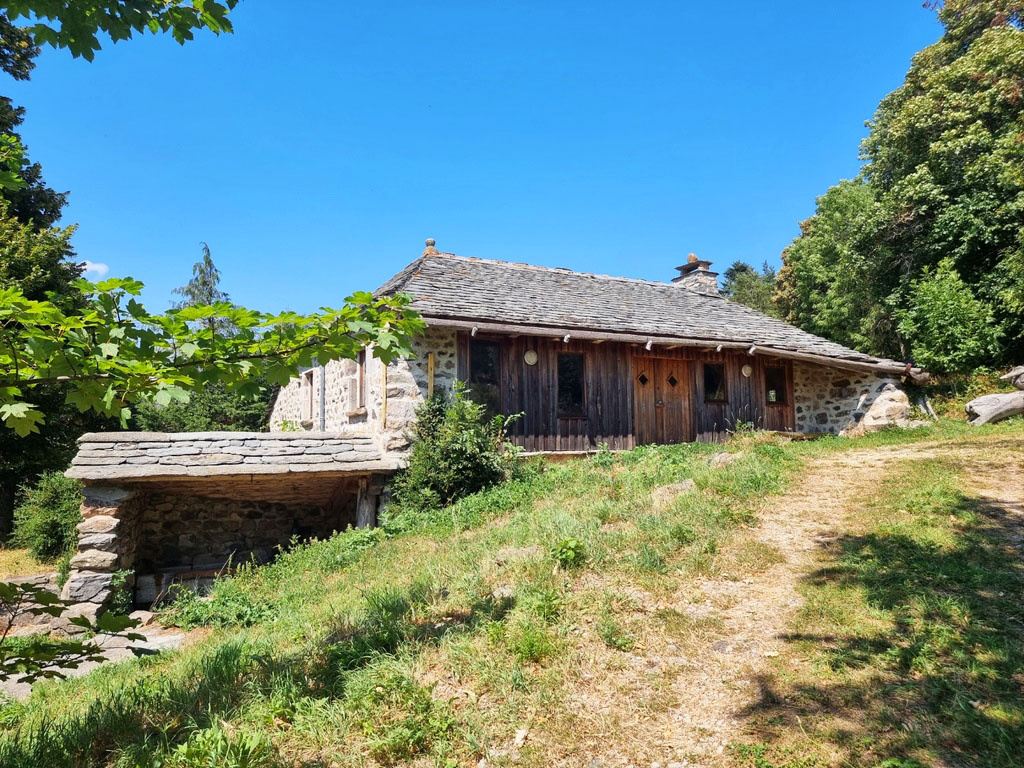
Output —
<point x="448" y="289"/>
<point x="138" y="455"/>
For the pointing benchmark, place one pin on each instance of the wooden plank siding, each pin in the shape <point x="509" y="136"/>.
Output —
<point x="609" y="398"/>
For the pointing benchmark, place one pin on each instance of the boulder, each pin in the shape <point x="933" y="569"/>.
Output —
<point x="88" y="586"/>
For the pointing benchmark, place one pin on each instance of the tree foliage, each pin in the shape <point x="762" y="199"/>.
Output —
<point x="204" y="289"/>
<point x="746" y="285"/>
<point x="943" y="178"/>
<point x="78" y="25"/>
<point x="114" y="353"/>
<point x="46" y="518"/>
<point x="210" y="409"/>
<point x="37" y="261"/>
<point x="952" y="329"/>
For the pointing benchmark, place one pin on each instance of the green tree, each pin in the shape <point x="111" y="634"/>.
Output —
<point x="214" y="407"/>
<point x="943" y="178"/>
<point x="38" y="261"/>
<point x="40" y="334"/>
<point x="204" y="289"/>
<point x="832" y="280"/>
<point x="951" y="329"/>
<point x="78" y="25"/>
<point x="210" y="409"/>
<point x="746" y="285"/>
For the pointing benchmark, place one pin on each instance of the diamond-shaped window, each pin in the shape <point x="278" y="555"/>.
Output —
<point x="672" y="380"/>
<point x="642" y="378"/>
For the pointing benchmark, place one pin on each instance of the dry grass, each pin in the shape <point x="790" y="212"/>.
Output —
<point x="18" y="563"/>
<point x="474" y="637"/>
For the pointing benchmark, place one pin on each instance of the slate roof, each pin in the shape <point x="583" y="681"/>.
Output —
<point x="450" y="287"/>
<point x="127" y="455"/>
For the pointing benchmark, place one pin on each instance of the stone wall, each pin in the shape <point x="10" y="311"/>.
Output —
<point x="407" y="386"/>
<point x="198" y="532"/>
<point x="108" y="538"/>
<point x="830" y="400"/>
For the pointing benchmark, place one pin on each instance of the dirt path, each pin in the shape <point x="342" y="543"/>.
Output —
<point x="755" y="612"/>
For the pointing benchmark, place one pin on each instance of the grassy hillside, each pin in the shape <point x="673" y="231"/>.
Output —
<point x="496" y="629"/>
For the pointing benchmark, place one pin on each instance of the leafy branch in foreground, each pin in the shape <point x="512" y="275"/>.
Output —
<point x="40" y="657"/>
<point x="113" y="353"/>
<point x="76" y="25"/>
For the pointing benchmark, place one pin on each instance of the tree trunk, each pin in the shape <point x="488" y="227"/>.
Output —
<point x="1015" y="377"/>
<point x="988" y="409"/>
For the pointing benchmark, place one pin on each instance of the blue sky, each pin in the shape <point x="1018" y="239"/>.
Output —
<point x="315" y="149"/>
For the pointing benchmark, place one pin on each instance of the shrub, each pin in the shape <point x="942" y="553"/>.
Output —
<point x="122" y="599"/>
<point x="530" y="643"/>
<point x="570" y="553"/>
<point x="456" y="451"/>
<point x="229" y="605"/>
<point x="45" y="520"/>
<point x="217" y="746"/>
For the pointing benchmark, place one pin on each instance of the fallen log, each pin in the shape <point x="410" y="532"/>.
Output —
<point x="989" y="409"/>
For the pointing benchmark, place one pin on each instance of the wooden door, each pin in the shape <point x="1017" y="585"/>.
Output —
<point x="662" y="400"/>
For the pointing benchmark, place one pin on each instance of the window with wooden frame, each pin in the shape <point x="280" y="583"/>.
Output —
<point x="714" y="383"/>
<point x="775" y="389"/>
<point x="307" y="383"/>
<point x="484" y="386"/>
<point x="571" y="385"/>
<point x="361" y="379"/>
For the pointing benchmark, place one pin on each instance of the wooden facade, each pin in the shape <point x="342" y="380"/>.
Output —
<point x="626" y="395"/>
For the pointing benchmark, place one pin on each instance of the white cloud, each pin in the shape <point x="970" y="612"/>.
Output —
<point x="96" y="268"/>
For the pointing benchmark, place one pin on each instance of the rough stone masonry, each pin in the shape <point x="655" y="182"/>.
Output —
<point x="159" y="506"/>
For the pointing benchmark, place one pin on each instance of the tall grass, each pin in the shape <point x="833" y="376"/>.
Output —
<point x="432" y="638"/>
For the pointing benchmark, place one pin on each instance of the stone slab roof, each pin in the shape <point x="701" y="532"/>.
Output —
<point x="455" y="288"/>
<point x="151" y="455"/>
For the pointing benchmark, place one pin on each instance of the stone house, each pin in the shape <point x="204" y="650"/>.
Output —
<point x="588" y="360"/>
<point x="592" y="359"/>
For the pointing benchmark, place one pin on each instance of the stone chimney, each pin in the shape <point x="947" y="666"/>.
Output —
<point x="430" y="250"/>
<point x="696" y="276"/>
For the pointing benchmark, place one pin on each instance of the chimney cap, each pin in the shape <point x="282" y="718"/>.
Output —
<point x="693" y="264"/>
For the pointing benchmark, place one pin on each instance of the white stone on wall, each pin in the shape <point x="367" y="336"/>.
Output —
<point x="407" y="387"/>
<point x="829" y="400"/>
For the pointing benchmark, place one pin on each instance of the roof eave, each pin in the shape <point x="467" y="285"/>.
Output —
<point x="752" y="347"/>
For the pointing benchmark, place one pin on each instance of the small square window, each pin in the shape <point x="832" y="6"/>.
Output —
<point x="714" y="383"/>
<point x="775" y="385"/>
<point x="571" y="399"/>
